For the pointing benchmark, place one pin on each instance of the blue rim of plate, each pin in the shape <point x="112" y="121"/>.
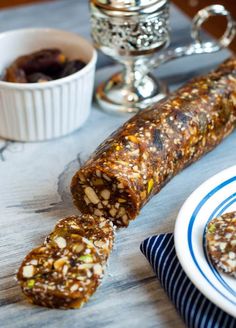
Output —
<point x="222" y="207"/>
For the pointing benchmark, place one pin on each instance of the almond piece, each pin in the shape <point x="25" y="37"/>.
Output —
<point x="28" y="271"/>
<point x="97" y="269"/>
<point x="58" y="264"/>
<point x="92" y="196"/>
<point x="60" y="241"/>
<point x="105" y="194"/>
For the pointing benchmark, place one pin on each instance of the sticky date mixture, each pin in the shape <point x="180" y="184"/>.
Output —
<point x="42" y="66"/>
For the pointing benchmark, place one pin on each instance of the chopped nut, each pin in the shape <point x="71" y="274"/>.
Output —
<point x="102" y="224"/>
<point x="150" y="185"/>
<point x="106" y="177"/>
<point x="28" y="271"/>
<point x="85" y="266"/>
<point x="212" y="228"/>
<point x="222" y="246"/>
<point x="117" y="205"/>
<point x="60" y="241"/>
<point x="105" y="194"/>
<point x="30" y="283"/>
<point x="92" y="196"/>
<point x="75" y="227"/>
<point x="74" y="287"/>
<point x="121" y="212"/>
<point x="143" y="195"/>
<point x="98" y="212"/>
<point x="125" y="219"/>
<point x="65" y="269"/>
<point x="89" y="274"/>
<point x="34" y="262"/>
<point x="113" y="211"/>
<point x="86" y="258"/>
<point x="100" y="244"/>
<point x="233" y="242"/>
<point x="97" y="269"/>
<point x="121" y="200"/>
<point x="232" y="255"/>
<point x="58" y="264"/>
<point x="87" y="201"/>
<point x="87" y="241"/>
<point x="98" y="173"/>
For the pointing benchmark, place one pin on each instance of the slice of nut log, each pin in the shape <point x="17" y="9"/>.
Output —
<point x="221" y="242"/>
<point x="67" y="269"/>
<point x="97" y="230"/>
<point x="136" y="161"/>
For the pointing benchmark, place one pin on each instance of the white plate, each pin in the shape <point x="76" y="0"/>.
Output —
<point x="214" y="197"/>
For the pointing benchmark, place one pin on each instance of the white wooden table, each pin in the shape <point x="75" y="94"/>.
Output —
<point x="34" y="194"/>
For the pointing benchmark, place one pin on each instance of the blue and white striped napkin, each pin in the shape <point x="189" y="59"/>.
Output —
<point x="196" y="310"/>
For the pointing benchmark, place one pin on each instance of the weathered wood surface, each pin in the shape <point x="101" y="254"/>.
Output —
<point x="34" y="180"/>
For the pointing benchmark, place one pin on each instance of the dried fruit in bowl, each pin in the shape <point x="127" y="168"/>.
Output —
<point x="42" y="66"/>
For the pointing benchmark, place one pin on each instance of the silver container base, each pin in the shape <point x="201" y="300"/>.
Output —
<point x="115" y="96"/>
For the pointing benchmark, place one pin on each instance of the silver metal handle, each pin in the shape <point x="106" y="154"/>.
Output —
<point x="198" y="46"/>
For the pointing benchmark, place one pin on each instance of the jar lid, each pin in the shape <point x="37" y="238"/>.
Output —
<point x="126" y="6"/>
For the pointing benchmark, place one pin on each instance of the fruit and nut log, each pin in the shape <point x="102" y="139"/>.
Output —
<point x="67" y="269"/>
<point x="138" y="159"/>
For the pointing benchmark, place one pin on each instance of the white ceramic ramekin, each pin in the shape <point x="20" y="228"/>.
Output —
<point x="40" y="111"/>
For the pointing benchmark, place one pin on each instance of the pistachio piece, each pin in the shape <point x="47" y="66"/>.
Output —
<point x="212" y="228"/>
<point x="30" y="283"/>
<point x="150" y="185"/>
<point x="86" y="258"/>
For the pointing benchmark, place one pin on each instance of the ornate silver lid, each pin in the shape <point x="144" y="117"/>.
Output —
<point x="128" y="7"/>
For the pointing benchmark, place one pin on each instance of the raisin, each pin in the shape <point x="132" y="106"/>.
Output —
<point x="157" y="139"/>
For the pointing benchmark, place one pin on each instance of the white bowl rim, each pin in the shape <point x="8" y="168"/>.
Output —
<point x="83" y="71"/>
